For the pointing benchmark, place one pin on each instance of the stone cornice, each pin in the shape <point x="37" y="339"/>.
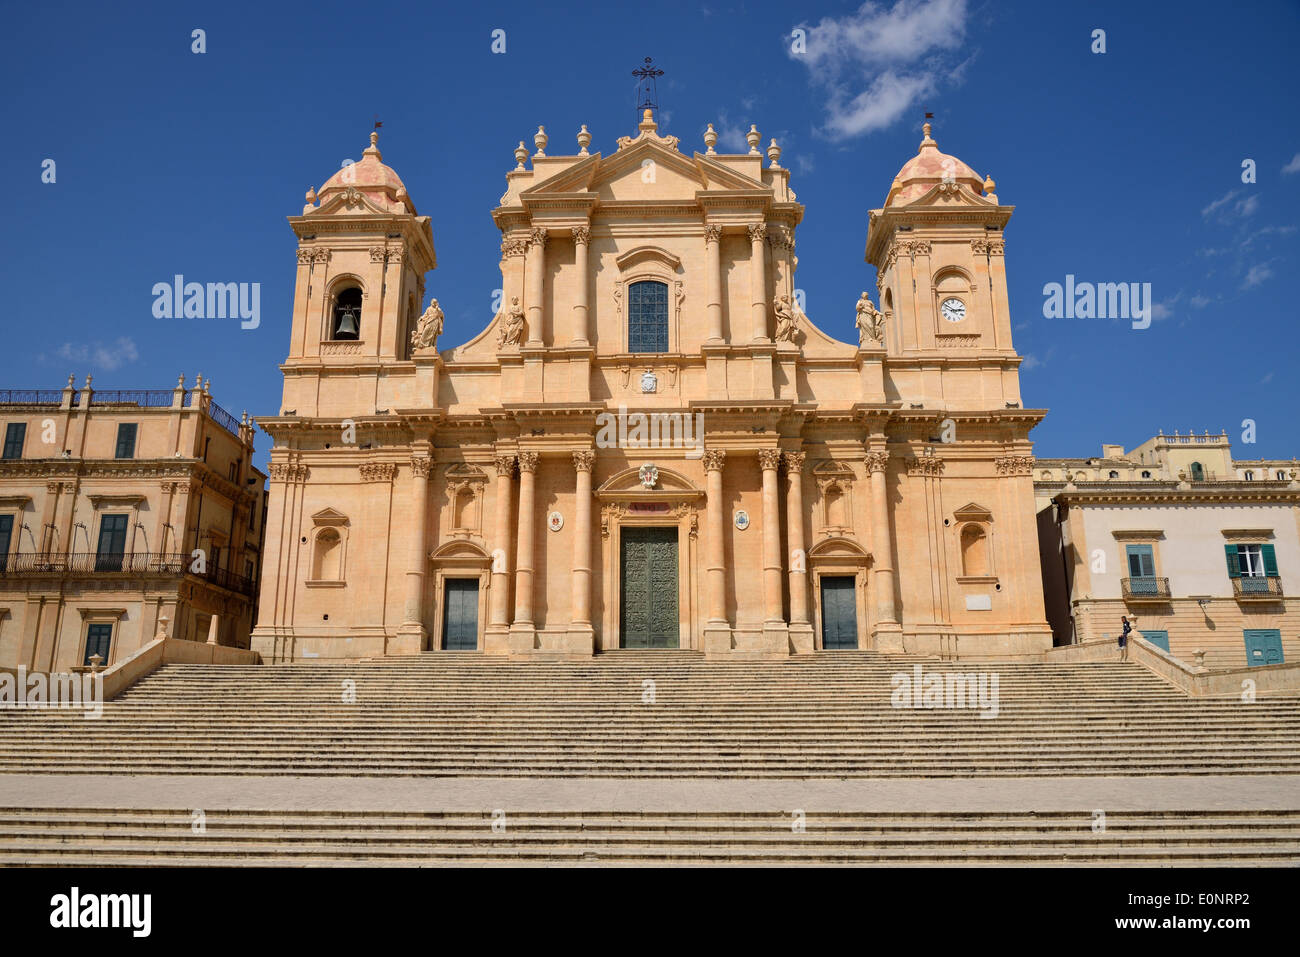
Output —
<point x="1166" y="495"/>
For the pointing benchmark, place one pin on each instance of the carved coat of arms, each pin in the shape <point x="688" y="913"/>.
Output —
<point x="649" y="475"/>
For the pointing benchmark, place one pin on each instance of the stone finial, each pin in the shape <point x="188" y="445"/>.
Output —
<point x="162" y="627"/>
<point x="753" y="138"/>
<point x="71" y="378"/>
<point x="180" y="381"/>
<point x="648" y="123"/>
<point x="540" y="139"/>
<point x="89" y="379"/>
<point x="989" y="187"/>
<point x="373" y="148"/>
<point x="774" y="154"/>
<point x="927" y="141"/>
<point x="710" y="141"/>
<point x="521" y="154"/>
<point x="584" y="140"/>
<point x="198" y="382"/>
<point x="207" y="386"/>
<point x="311" y="194"/>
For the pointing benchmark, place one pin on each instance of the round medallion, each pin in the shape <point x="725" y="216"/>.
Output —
<point x="649" y="475"/>
<point x="555" y="521"/>
<point x="742" y="520"/>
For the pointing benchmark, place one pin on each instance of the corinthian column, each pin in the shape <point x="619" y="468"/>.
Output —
<point x="794" y="527"/>
<point x="581" y="244"/>
<point x="713" y="280"/>
<point x="499" y="607"/>
<point x="412" y="631"/>
<point x="716" y="563"/>
<point x="524" y="555"/>
<point x="582" y="462"/>
<point x="769" y="460"/>
<point x="758" y="280"/>
<point x="534" y="283"/>
<point x="882" y="539"/>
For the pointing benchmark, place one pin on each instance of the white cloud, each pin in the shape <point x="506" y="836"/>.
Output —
<point x="1030" y="362"/>
<point x="1267" y="379"/>
<point x="876" y="63"/>
<point x="731" y="136"/>
<point x="1199" y="302"/>
<point x="100" y="355"/>
<point x="1163" y="310"/>
<point x="1226" y="208"/>
<point x="1257" y="275"/>
<point x="1293" y="166"/>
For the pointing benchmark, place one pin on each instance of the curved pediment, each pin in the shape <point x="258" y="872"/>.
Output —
<point x="641" y="254"/>
<point x="838" y="547"/>
<point x="628" y="483"/>
<point x="462" y="549"/>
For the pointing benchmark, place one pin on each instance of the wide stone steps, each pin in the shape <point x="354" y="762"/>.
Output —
<point x="827" y="715"/>
<point x="152" y="837"/>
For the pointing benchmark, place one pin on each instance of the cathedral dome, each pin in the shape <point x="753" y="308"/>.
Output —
<point x="379" y="183"/>
<point x="927" y="169"/>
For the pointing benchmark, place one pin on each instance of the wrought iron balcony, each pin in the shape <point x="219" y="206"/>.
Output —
<point x="1259" y="588"/>
<point x="140" y="564"/>
<point x="1145" y="589"/>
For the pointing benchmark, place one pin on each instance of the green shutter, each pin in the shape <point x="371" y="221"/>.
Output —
<point x="1270" y="561"/>
<point x="1234" y="570"/>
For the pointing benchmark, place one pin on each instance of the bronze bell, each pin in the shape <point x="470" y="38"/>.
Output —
<point x="347" y="323"/>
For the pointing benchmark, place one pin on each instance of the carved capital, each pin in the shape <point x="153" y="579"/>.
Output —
<point x="979" y="247"/>
<point x="877" y="461"/>
<point x="757" y="231"/>
<point x="528" y="461"/>
<point x="537" y="237"/>
<point x="794" y="461"/>
<point x="583" y="459"/>
<point x="712" y="233"/>
<point x="582" y="235"/>
<point x="420" y="467"/>
<point x="1015" y="465"/>
<point x="929" y="465"/>
<point x="505" y="465"/>
<point x="769" y="459"/>
<point x="378" y="471"/>
<point x="320" y="255"/>
<point x="513" y="247"/>
<point x="997" y="247"/>
<point x="713" y="459"/>
<point x="377" y="254"/>
<point x="394" y="254"/>
<point x="305" y="256"/>
<point x="780" y="237"/>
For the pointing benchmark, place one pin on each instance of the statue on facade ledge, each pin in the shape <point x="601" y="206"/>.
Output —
<point x="871" y="324"/>
<point x="787" y="319"/>
<point x="429" y="328"/>
<point x="512" y="325"/>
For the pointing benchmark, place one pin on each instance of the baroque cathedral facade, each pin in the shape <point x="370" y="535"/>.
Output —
<point x="792" y="492"/>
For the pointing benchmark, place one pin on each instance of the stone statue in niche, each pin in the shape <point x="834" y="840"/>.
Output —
<point x="787" y="319"/>
<point x="871" y="324"/>
<point x="429" y="328"/>
<point x="512" y="325"/>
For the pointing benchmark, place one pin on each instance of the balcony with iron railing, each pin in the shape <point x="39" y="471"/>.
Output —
<point x="1145" y="589"/>
<point x="115" y="565"/>
<point x="118" y="399"/>
<point x="1257" y="588"/>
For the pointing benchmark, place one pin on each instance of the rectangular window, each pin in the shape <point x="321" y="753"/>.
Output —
<point x="99" y="641"/>
<point x="647" y="317"/>
<point x="1142" y="570"/>
<point x="1250" y="559"/>
<point x="112" y="543"/>
<point x="6" y="538"/>
<point x="15" y="432"/>
<point x="125" y="441"/>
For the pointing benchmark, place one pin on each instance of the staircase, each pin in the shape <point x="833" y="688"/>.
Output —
<point x="123" y="838"/>
<point x="823" y="716"/>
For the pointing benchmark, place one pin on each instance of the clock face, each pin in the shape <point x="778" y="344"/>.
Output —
<point x="954" y="310"/>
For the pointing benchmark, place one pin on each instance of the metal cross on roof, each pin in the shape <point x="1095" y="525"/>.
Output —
<point x="647" y="91"/>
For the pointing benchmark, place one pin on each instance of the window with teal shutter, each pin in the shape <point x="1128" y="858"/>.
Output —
<point x="1230" y="552"/>
<point x="1270" y="561"/>
<point x="1141" y="570"/>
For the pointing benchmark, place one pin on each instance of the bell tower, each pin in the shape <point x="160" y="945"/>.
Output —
<point x="362" y="255"/>
<point x="938" y="248"/>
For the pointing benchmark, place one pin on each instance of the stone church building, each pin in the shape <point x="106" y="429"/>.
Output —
<point x="651" y="445"/>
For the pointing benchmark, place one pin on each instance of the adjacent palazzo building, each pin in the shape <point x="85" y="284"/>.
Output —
<point x="124" y="515"/>
<point x="652" y="444"/>
<point x="1202" y="549"/>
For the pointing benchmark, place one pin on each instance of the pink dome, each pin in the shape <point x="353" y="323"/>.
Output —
<point x="926" y="170"/>
<point x="379" y="183"/>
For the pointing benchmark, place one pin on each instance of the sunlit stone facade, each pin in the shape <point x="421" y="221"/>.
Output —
<point x="784" y="492"/>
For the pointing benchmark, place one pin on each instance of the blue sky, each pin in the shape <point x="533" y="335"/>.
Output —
<point x="1124" y="167"/>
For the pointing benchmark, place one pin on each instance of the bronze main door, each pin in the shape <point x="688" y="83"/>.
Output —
<point x="649" y="589"/>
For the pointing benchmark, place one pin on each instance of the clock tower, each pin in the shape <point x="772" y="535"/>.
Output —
<point x="938" y="250"/>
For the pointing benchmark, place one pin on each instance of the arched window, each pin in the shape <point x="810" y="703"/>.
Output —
<point x="974" y="551"/>
<point x="647" y="317"/>
<point x="345" y="323"/>
<point x="1113" y="474"/>
<point x="327" y="562"/>
<point x="1198" y="472"/>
